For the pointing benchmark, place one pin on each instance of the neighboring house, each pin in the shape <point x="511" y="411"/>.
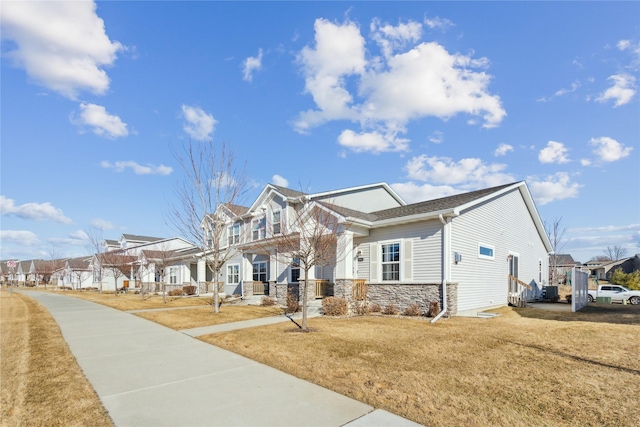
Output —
<point x="560" y="266"/>
<point x="8" y="274"/>
<point x="463" y="246"/>
<point x="604" y="271"/>
<point x="78" y="273"/>
<point x="127" y="265"/>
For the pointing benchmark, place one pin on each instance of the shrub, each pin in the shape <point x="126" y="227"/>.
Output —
<point x="391" y="310"/>
<point x="267" y="301"/>
<point x="375" y="308"/>
<point x="333" y="306"/>
<point x="292" y="302"/>
<point x="413" y="309"/>
<point x="628" y="280"/>
<point x="189" y="290"/>
<point x="434" y="308"/>
<point x="65" y="288"/>
<point x="175" y="292"/>
<point x="362" y="307"/>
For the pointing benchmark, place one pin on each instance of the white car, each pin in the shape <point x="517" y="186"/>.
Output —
<point x="617" y="293"/>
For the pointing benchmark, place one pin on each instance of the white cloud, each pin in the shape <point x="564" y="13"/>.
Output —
<point x="555" y="152"/>
<point x="138" y="169"/>
<point x="199" y="125"/>
<point x="413" y="193"/>
<point x="77" y="238"/>
<point x="24" y="238"/>
<point x="391" y="38"/>
<point x="280" y="181"/>
<point x="438" y="22"/>
<point x="622" y="91"/>
<point x="469" y="174"/>
<point x="585" y="162"/>
<point x="62" y="46"/>
<point x="623" y="44"/>
<point x="384" y="93"/>
<point x="437" y="137"/>
<point x="251" y="64"/>
<point x="552" y="188"/>
<point x="372" y="141"/>
<point x="608" y="149"/>
<point x="103" y="123"/>
<point x="502" y="150"/>
<point x="102" y="224"/>
<point x="33" y="211"/>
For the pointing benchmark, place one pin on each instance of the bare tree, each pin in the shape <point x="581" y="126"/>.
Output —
<point x="309" y="239"/>
<point x="117" y="263"/>
<point x="212" y="181"/>
<point x="615" y="253"/>
<point x="555" y="231"/>
<point x="94" y="245"/>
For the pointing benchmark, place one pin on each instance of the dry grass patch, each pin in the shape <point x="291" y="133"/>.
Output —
<point x="132" y="301"/>
<point x="42" y="385"/>
<point x="526" y="367"/>
<point x="204" y="316"/>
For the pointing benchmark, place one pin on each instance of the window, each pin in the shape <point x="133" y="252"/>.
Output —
<point x="233" y="273"/>
<point x="295" y="270"/>
<point x="485" y="251"/>
<point x="258" y="229"/>
<point x="260" y="272"/>
<point x="391" y="261"/>
<point x="173" y="275"/>
<point x="234" y="234"/>
<point x="276" y="222"/>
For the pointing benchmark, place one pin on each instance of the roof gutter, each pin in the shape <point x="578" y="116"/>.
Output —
<point x="446" y="263"/>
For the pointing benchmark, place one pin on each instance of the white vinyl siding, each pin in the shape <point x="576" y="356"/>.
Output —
<point x="420" y="250"/>
<point x="505" y="225"/>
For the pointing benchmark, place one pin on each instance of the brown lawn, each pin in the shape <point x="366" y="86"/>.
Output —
<point x="526" y="367"/>
<point x="40" y="382"/>
<point x="204" y="316"/>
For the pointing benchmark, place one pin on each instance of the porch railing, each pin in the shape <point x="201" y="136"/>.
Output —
<point x="258" y="288"/>
<point x="359" y="289"/>
<point x="321" y="288"/>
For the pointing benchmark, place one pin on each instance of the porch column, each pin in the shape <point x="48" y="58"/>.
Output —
<point x="344" y="256"/>
<point x="246" y="267"/>
<point x="201" y="271"/>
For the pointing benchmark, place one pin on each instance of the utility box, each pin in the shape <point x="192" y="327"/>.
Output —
<point x="603" y="300"/>
<point x="550" y="293"/>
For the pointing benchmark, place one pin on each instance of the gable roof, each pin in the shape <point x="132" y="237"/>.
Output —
<point x="437" y="205"/>
<point x="564" y="259"/>
<point x="135" y="238"/>
<point x="287" y="192"/>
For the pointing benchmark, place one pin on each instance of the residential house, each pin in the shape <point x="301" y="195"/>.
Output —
<point x="127" y="266"/>
<point x="78" y="273"/>
<point x="604" y="271"/>
<point x="470" y="252"/>
<point x="560" y="266"/>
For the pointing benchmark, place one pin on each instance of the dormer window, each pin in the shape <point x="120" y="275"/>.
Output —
<point x="276" y="222"/>
<point x="259" y="229"/>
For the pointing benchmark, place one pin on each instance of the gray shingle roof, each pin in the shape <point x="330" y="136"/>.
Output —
<point x="287" y="192"/>
<point x="436" y="205"/>
<point x="141" y="238"/>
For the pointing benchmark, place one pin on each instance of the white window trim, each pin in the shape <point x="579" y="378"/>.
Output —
<point x="399" y="262"/>
<point x="487" y="257"/>
<point x="232" y="238"/>
<point x="279" y="223"/>
<point x="237" y="273"/>
<point x="263" y="228"/>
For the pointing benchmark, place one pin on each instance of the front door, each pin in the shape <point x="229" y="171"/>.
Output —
<point x="260" y="276"/>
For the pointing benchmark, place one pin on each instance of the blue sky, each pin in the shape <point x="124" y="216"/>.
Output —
<point x="434" y="98"/>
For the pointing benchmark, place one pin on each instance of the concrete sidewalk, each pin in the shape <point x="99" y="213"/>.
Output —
<point x="149" y="375"/>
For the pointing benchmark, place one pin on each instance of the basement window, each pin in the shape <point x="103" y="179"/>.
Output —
<point x="486" y="251"/>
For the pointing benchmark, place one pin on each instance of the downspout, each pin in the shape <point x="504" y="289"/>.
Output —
<point x="446" y="264"/>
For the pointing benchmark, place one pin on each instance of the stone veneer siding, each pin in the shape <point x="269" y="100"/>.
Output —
<point x="400" y="294"/>
<point x="247" y="288"/>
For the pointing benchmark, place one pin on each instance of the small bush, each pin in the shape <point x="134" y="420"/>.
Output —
<point x="362" y="308"/>
<point x="267" y="301"/>
<point x="293" y="305"/>
<point x="413" y="309"/>
<point x="629" y="280"/>
<point x="333" y="306"/>
<point x="391" y="310"/>
<point x="375" y="308"/>
<point x="175" y="292"/>
<point x="434" y="308"/>
<point x="189" y="290"/>
<point x="65" y="288"/>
